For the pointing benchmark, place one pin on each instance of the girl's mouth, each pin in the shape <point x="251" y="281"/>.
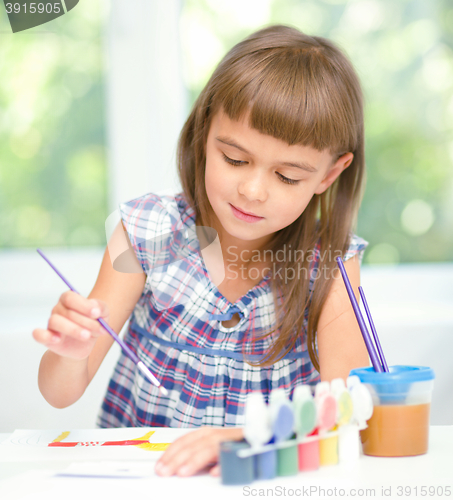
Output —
<point x="245" y="216"/>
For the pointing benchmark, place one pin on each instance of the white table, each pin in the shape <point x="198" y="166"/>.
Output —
<point x="373" y="477"/>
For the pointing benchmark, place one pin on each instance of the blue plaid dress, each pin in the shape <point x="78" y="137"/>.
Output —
<point x="176" y="330"/>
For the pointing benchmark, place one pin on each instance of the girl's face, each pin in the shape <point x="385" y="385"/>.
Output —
<point x="257" y="184"/>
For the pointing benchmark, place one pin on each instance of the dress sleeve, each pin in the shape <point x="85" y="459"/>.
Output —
<point x="357" y="246"/>
<point x="145" y="220"/>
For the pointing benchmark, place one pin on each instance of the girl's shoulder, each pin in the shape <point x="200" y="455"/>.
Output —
<point x="357" y="246"/>
<point x="155" y="224"/>
<point x="157" y="213"/>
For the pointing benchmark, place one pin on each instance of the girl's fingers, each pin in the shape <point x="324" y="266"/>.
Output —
<point x="189" y="460"/>
<point x="81" y="311"/>
<point x="66" y="327"/>
<point x="89" y="324"/>
<point x="172" y="450"/>
<point x="98" y="309"/>
<point x="91" y="308"/>
<point x="215" y="471"/>
<point x="45" y="337"/>
<point x="199" y="460"/>
<point x="195" y="451"/>
<point x="183" y="443"/>
<point x="73" y="328"/>
<point x="63" y="345"/>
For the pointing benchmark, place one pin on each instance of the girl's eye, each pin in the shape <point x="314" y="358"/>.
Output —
<point x="286" y="179"/>
<point x="236" y="163"/>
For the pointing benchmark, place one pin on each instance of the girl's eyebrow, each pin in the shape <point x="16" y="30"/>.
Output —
<point x="231" y="142"/>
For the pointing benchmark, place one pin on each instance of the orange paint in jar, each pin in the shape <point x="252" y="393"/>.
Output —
<point x="397" y="431"/>
<point x="399" y="425"/>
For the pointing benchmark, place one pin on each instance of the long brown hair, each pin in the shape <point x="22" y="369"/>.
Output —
<point x="302" y="90"/>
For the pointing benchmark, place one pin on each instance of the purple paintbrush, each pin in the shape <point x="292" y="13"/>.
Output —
<point x="140" y="365"/>
<point x="355" y="306"/>
<point x="373" y="329"/>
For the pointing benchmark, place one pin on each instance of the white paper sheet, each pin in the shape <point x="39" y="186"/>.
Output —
<point x="31" y="445"/>
<point x="109" y="470"/>
<point x="48" y="485"/>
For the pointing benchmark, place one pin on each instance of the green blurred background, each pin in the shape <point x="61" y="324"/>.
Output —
<point x="53" y="150"/>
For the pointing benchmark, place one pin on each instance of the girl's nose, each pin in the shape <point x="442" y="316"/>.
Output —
<point x="253" y="187"/>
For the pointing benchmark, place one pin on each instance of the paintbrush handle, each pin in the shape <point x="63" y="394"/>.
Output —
<point x="355" y="306"/>
<point x="123" y="345"/>
<point x="56" y="270"/>
<point x="373" y="330"/>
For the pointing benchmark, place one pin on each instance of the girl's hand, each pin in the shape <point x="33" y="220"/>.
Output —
<point x="196" y="451"/>
<point x="72" y="329"/>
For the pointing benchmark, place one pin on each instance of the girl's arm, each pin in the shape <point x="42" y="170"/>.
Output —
<point x="340" y="343"/>
<point x="73" y="359"/>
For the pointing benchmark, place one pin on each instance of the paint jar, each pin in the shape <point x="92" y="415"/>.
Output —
<point x="265" y="465"/>
<point x="305" y="419"/>
<point x="309" y="453"/>
<point x="328" y="449"/>
<point x="327" y="416"/>
<point x="234" y="469"/>
<point x="287" y="458"/>
<point x="399" y="426"/>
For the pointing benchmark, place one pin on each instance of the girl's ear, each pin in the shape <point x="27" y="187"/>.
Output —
<point x="334" y="171"/>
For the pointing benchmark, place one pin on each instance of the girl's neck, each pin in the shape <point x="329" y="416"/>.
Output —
<point x="238" y="250"/>
<point x="235" y="265"/>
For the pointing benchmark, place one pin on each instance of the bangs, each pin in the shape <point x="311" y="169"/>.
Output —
<point x="298" y="96"/>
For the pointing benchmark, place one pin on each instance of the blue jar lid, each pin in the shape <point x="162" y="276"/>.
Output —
<point x="398" y="373"/>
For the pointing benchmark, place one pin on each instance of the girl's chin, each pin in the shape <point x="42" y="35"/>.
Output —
<point x="245" y="234"/>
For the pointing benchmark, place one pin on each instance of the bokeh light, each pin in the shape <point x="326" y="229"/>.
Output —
<point x="417" y="217"/>
<point x="383" y="253"/>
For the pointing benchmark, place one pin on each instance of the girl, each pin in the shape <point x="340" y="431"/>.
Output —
<point x="272" y="158"/>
